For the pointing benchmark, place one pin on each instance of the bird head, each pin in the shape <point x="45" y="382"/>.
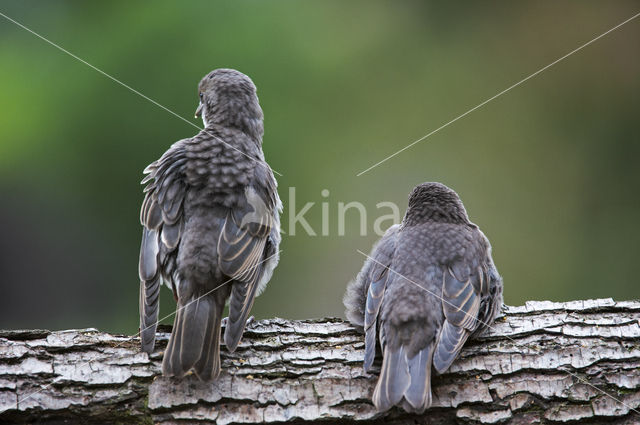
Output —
<point x="228" y="98"/>
<point x="434" y="202"/>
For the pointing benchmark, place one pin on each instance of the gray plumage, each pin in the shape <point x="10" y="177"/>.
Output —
<point x="429" y="285"/>
<point x="210" y="215"/>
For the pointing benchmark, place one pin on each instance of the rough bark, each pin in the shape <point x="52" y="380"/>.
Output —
<point x="540" y="363"/>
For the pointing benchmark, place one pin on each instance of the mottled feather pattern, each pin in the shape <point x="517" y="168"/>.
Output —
<point x="223" y="171"/>
<point x="194" y="237"/>
<point x="441" y="284"/>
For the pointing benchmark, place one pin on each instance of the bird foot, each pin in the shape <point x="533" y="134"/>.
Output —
<point x="250" y="320"/>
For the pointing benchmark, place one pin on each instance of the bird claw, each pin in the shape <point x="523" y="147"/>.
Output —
<point x="250" y="320"/>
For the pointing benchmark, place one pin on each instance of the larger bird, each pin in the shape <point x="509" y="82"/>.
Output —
<point x="428" y="285"/>
<point x="211" y="227"/>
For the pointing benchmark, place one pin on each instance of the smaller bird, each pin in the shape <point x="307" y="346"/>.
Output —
<point x="429" y="284"/>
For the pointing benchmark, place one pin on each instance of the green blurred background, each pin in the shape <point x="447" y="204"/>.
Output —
<point x="549" y="170"/>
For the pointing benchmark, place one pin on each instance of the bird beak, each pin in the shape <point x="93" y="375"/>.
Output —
<point x="199" y="111"/>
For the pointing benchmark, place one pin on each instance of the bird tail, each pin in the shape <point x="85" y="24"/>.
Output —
<point x="149" y="303"/>
<point x="404" y="381"/>
<point x="195" y="339"/>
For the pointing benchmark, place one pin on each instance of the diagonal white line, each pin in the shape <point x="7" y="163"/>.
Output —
<point x="127" y="87"/>
<point x="491" y="327"/>
<point x="139" y="332"/>
<point x="497" y="95"/>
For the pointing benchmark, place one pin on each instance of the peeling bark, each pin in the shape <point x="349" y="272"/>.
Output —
<point x="540" y="363"/>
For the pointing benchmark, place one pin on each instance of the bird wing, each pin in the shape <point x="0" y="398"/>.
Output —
<point x="161" y="217"/>
<point x="375" y="276"/>
<point x="248" y="241"/>
<point x="491" y="302"/>
<point x="465" y="282"/>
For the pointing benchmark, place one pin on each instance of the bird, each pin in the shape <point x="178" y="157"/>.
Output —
<point x="429" y="284"/>
<point x="210" y="227"/>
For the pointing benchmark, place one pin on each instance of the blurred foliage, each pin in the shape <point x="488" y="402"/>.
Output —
<point x="548" y="170"/>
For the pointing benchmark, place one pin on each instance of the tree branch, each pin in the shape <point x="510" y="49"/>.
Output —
<point x="540" y="363"/>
